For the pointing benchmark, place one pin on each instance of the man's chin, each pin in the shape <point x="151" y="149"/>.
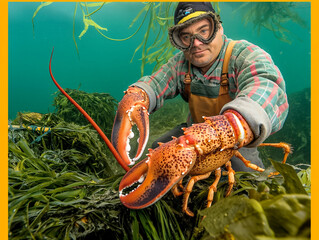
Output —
<point x="200" y="63"/>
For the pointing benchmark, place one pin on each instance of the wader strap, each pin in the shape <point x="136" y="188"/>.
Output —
<point x="200" y="106"/>
<point x="224" y="77"/>
<point x="187" y="84"/>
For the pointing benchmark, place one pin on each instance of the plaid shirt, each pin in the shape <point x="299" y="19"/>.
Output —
<point x="253" y="78"/>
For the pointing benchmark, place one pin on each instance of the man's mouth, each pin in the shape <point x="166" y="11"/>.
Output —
<point x="197" y="52"/>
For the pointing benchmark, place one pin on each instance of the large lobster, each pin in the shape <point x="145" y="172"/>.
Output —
<point x="204" y="148"/>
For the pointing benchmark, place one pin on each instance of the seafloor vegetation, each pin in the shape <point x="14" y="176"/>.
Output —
<point x="63" y="184"/>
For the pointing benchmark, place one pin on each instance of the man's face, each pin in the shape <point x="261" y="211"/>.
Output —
<point x="203" y="55"/>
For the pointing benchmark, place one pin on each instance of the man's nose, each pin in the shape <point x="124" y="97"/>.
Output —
<point x="197" y="42"/>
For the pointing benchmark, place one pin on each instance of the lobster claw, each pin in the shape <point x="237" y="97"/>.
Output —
<point x="131" y="110"/>
<point x="150" y="179"/>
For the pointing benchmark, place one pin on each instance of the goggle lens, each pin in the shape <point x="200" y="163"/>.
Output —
<point x="184" y="40"/>
<point x="205" y="33"/>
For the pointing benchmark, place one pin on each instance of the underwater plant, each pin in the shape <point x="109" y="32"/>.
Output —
<point x="51" y="197"/>
<point x="157" y="50"/>
<point x="64" y="185"/>
<point x="81" y="144"/>
<point x="103" y="112"/>
<point x="154" y="49"/>
<point x="272" y="16"/>
<point x="160" y="18"/>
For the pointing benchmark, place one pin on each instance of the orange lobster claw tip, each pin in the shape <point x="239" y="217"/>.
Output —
<point x="150" y="179"/>
<point x="131" y="111"/>
<point x="137" y="188"/>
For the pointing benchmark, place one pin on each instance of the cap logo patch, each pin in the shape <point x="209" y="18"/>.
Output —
<point x="182" y="13"/>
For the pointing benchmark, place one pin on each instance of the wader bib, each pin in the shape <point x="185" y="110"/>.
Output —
<point x="210" y="106"/>
<point x="200" y="106"/>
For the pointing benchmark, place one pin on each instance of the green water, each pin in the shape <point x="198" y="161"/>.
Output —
<point x="104" y="65"/>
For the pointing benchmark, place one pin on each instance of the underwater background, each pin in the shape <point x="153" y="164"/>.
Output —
<point x="63" y="180"/>
<point x="104" y="65"/>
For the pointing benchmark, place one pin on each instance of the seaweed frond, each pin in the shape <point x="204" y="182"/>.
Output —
<point x="103" y="111"/>
<point x="272" y="16"/>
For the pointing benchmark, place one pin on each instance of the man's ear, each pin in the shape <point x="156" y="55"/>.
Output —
<point x="221" y="30"/>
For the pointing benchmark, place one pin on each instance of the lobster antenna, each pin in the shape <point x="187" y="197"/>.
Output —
<point x="96" y="127"/>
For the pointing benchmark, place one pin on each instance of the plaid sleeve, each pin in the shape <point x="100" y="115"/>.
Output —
<point x="259" y="79"/>
<point x="165" y="83"/>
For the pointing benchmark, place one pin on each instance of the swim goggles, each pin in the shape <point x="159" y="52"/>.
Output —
<point x="185" y="41"/>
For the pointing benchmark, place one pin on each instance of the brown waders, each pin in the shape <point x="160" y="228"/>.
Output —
<point x="205" y="106"/>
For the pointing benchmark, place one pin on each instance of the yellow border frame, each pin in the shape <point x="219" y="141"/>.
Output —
<point x="4" y="119"/>
<point x="314" y="118"/>
<point x="4" y="115"/>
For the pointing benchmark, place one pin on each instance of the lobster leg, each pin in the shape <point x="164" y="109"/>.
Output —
<point x="188" y="190"/>
<point x="248" y="163"/>
<point x="285" y="146"/>
<point x="213" y="187"/>
<point x="176" y="192"/>
<point x="287" y="150"/>
<point x="231" y="177"/>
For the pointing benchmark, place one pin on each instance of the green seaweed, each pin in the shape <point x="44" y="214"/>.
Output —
<point x="103" y="112"/>
<point x="305" y="178"/>
<point x="61" y="188"/>
<point x="88" y="21"/>
<point x="157" y="50"/>
<point x="160" y="49"/>
<point x="269" y="219"/>
<point x="52" y="197"/>
<point x="80" y="146"/>
<point x="64" y="185"/>
<point x="272" y="16"/>
<point x="232" y="215"/>
<point x="273" y="208"/>
<point x="36" y="12"/>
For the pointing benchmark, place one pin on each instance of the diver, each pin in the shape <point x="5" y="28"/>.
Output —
<point x="216" y="75"/>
